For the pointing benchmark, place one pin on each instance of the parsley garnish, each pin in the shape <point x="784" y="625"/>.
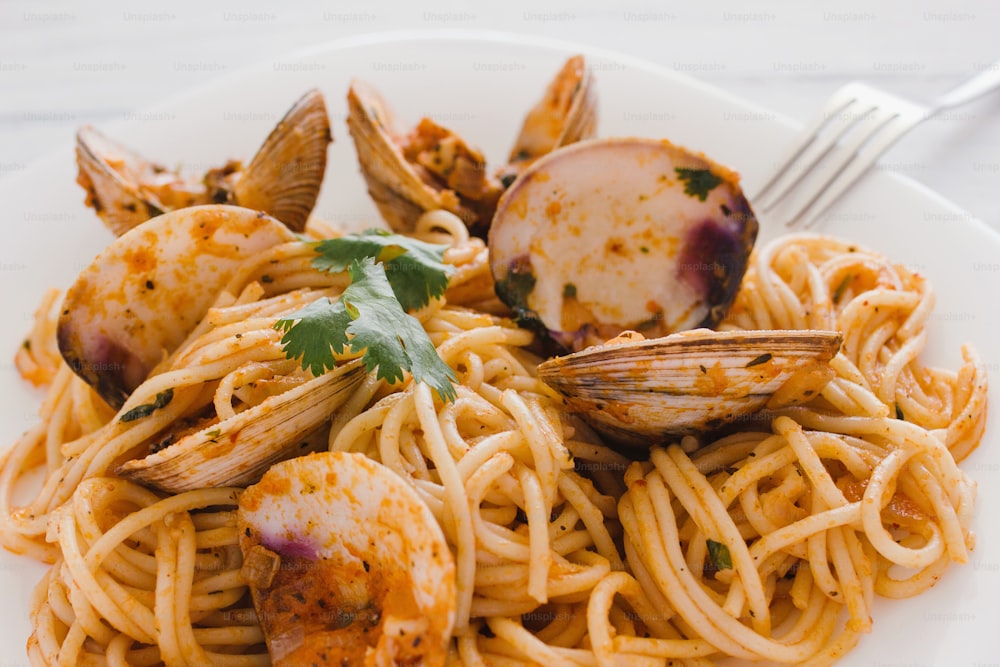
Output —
<point x="718" y="553"/>
<point x="367" y="317"/>
<point x="698" y="182"/>
<point x="416" y="270"/>
<point x="138" y="412"/>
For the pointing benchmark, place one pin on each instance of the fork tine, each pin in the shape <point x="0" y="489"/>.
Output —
<point x="856" y="113"/>
<point x="856" y="162"/>
<point x="834" y="107"/>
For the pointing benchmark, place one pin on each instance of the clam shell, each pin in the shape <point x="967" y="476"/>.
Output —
<point x="285" y="175"/>
<point x="147" y="290"/>
<point x="640" y="392"/>
<point x="283" y="179"/>
<point x="404" y="180"/>
<point x="396" y="187"/>
<point x="346" y="565"/>
<point x="238" y="450"/>
<point x="565" y="114"/>
<point x="114" y="193"/>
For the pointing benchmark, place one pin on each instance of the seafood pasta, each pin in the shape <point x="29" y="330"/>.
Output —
<point x="770" y="542"/>
<point x="260" y="447"/>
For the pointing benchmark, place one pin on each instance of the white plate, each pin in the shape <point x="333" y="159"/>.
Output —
<point x="480" y="84"/>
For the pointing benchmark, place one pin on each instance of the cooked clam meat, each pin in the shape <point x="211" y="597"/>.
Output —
<point x="621" y="234"/>
<point x="346" y="565"/>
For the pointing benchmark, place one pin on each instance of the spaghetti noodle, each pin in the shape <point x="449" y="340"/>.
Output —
<point x="755" y="545"/>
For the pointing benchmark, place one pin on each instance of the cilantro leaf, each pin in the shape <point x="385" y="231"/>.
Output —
<point x="315" y="333"/>
<point x="718" y="554"/>
<point x="415" y="269"/>
<point x="698" y="182"/>
<point x="367" y="317"/>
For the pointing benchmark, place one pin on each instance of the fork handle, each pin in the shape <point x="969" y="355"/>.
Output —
<point x="975" y="86"/>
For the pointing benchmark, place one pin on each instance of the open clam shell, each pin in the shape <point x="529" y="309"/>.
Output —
<point x="346" y="565"/>
<point x="283" y="179"/>
<point x="112" y="176"/>
<point x="238" y="450"/>
<point x="620" y="234"/>
<point x="430" y="167"/>
<point x="147" y="290"/>
<point x="567" y="113"/>
<point x="427" y="169"/>
<point x="639" y="391"/>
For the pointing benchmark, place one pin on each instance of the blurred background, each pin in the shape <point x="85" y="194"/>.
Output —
<point x="63" y="64"/>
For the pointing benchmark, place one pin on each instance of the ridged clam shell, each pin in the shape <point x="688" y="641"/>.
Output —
<point x="393" y="183"/>
<point x="403" y="191"/>
<point x="285" y="175"/>
<point x="687" y="383"/>
<point x="283" y="179"/>
<point x="238" y="450"/>
<point x="114" y="193"/>
<point x="567" y="113"/>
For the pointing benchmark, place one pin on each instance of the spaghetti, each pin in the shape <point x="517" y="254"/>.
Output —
<point x="756" y="545"/>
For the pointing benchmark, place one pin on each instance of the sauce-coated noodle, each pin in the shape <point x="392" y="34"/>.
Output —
<point x="566" y="552"/>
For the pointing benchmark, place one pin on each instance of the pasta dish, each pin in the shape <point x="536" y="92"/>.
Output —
<point x="520" y="532"/>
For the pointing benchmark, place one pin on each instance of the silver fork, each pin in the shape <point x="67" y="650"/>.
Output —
<point x="857" y="124"/>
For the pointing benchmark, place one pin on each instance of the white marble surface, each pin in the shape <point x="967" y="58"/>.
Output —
<point x="63" y="63"/>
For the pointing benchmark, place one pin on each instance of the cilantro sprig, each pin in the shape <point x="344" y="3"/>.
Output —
<point x="390" y="274"/>
<point x="416" y="270"/>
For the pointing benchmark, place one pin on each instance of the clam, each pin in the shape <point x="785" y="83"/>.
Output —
<point x="638" y="391"/>
<point x="644" y="237"/>
<point x="283" y="178"/>
<point x="145" y="292"/>
<point x="567" y="113"/>
<point x="408" y="174"/>
<point x="620" y="234"/>
<point x="431" y="167"/>
<point x="238" y="450"/>
<point x="346" y="565"/>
